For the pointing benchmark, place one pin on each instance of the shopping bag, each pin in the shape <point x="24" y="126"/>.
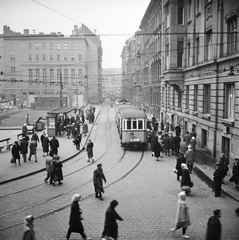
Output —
<point x="12" y="160"/>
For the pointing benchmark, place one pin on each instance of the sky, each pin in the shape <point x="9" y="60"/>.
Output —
<point x="114" y="20"/>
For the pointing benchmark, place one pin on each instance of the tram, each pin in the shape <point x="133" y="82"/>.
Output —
<point x="118" y="109"/>
<point x="132" y="128"/>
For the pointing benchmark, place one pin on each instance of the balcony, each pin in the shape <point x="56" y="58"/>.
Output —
<point x="228" y="121"/>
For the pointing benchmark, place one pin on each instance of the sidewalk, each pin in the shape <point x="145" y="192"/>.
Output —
<point x="9" y="172"/>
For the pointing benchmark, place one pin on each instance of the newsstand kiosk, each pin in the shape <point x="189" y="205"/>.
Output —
<point x="51" y="124"/>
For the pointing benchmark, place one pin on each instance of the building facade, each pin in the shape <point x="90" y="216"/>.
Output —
<point x="56" y="70"/>
<point x="189" y="57"/>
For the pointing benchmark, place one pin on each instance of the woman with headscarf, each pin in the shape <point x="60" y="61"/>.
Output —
<point x="111" y="226"/>
<point x="186" y="183"/>
<point x="182" y="215"/>
<point x="16" y="152"/>
<point x="75" y="224"/>
<point x="28" y="232"/>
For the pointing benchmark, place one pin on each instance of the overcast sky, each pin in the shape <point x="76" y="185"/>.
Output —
<point x="114" y="20"/>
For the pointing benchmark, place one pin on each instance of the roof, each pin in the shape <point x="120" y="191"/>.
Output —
<point x="132" y="113"/>
<point x="125" y="106"/>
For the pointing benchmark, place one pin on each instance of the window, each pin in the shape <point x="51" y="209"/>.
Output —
<point x="37" y="45"/>
<point x="65" y="57"/>
<point x="44" y="76"/>
<point x="51" y="76"/>
<point x="197" y="50"/>
<point x="72" y="45"/>
<point x="73" y="77"/>
<point x="140" y="124"/>
<point x="12" y="46"/>
<point x="167" y="18"/>
<point x="65" y="76"/>
<point x="189" y="54"/>
<point x="206" y="98"/>
<point x="208" y="45"/>
<point x="13" y="69"/>
<point x="58" y="57"/>
<point x="80" y="76"/>
<point x="204" y="138"/>
<point x="195" y="105"/>
<point x="37" y="77"/>
<point x="79" y="57"/>
<point x="230" y="100"/>
<point x="167" y="56"/>
<point x="197" y="6"/>
<point x="44" y="57"/>
<point x="29" y="57"/>
<point x="79" y="46"/>
<point x="189" y="9"/>
<point x="179" y="99"/>
<point x="58" y="74"/>
<point x="134" y="124"/>
<point x="181" y="12"/>
<point x="187" y="97"/>
<point x="51" y="57"/>
<point x="12" y="58"/>
<point x="72" y="57"/>
<point x="180" y="54"/>
<point x="37" y="57"/>
<point x="29" y="46"/>
<point x="232" y="35"/>
<point x="128" y="124"/>
<point x="65" y="46"/>
<point x="30" y="74"/>
<point x="43" y="45"/>
<point x="58" y="46"/>
<point x="51" y="45"/>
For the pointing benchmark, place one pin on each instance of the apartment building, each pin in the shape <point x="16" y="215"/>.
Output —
<point x="189" y="65"/>
<point x="50" y="70"/>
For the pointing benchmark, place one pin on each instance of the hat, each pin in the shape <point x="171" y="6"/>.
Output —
<point x="29" y="219"/>
<point x="114" y="203"/>
<point x="99" y="165"/>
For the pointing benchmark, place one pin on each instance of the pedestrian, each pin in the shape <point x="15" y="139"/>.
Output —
<point x="50" y="168"/>
<point x="77" y="141"/>
<point x="166" y="143"/>
<point x="110" y="225"/>
<point x="177" y="130"/>
<point x="85" y="129"/>
<point x="157" y="149"/>
<point x="193" y="143"/>
<point x="28" y="230"/>
<point x="89" y="149"/>
<point x="24" y="149"/>
<point x="172" y="143"/>
<point x="223" y="161"/>
<point x="214" y="227"/>
<point x="41" y="139"/>
<point x="54" y="144"/>
<point x="58" y="175"/>
<point x="16" y="153"/>
<point x="182" y="215"/>
<point x="235" y="173"/>
<point x="186" y="182"/>
<point x="187" y="138"/>
<point x="98" y="178"/>
<point x="27" y="119"/>
<point x="152" y="138"/>
<point x="181" y="159"/>
<point x="33" y="149"/>
<point x="24" y="129"/>
<point x="35" y="137"/>
<point x="75" y="224"/>
<point x="189" y="155"/>
<point x="177" y="141"/>
<point x="45" y="146"/>
<point x="217" y="179"/>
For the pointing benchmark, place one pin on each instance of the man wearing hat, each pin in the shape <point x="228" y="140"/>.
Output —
<point x="217" y="179"/>
<point x="98" y="178"/>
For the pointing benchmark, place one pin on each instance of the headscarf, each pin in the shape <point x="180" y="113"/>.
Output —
<point x="76" y="198"/>
<point x="184" y="166"/>
<point x="182" y="197"/>
<point x="29" y="219"/>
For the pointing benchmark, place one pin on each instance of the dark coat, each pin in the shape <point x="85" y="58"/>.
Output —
<point x="58" y="170"/>
<point x="111" y="226"/>
<point x="33" y="147"/>
<point x="75" y="218"/>
<point x="24" y="147"/>
<point x="15" y="151"/>
<point x="157" y="148"/>
<point x="235" y="172"/>
<point x="89" y="149"/>
<point x="98" y="178"/>
<point x="54" y="144"/>
<point x="214" y="229"/>
<point x="177" y="141"/>
<point x="217" y="181"/>
<point x="186" y="179"/>
<point x="166" y="143"/>
<point x="45" y="144"/>
<point x="223" y="161"/>
<point x="180" y="160"/>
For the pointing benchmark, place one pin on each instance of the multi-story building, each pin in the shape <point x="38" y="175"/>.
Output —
<point x="50" y="70"/>
<point x="112" y="83"/>
<point x="189" y="62"/>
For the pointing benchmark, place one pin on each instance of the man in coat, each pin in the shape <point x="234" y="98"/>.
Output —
<point x="54" y="144"/>
<point x="177" y="141"/>
<point x="187" y="138"/>
<point x="45" y="145"/>
<point x="98" y="178"/>
<point x="166" y="144"/>
<point x="89" y="149"/>
<point x="214" y="227"/>
<point x="217" y="180"/>
<point x="33" y="149"/>
<point x="24" y="149"/>
<point x="181" y="159"/>
<point x="111" y="226"/>
<point x="157" y="149"/>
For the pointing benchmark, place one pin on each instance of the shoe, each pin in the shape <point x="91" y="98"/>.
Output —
<point x="185" y="236"/>
<point x="172" y="230"/>
<point x="101" y="198"/>
<point x="35" y="161"/>
<point x="60" y="183"/>
<point x="88" y="160"/>
<point x="45" y="180"/>
<point x="29" y="159"/>
<point x="53" y="184"/>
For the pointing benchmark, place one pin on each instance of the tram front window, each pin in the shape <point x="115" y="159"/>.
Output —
<point x="140" y="124"/>
<point x="134" y="124"/>
<point x="129" y="124"/>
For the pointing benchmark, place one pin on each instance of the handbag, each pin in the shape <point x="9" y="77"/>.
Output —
<point x="12" y="160"/>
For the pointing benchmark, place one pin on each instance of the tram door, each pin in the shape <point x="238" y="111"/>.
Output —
<point x="226" y="147"/>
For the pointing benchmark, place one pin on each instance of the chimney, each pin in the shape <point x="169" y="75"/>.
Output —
<point x="26" y="31"/>
<point x="75" y="27"/>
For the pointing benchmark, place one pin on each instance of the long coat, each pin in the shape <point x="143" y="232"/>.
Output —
<point x="33" y="147"/>
<point x="182" y="215"/>
<point x="217" y="181"/>
<point x="28" y="232"/>
<point x="45" y="144"/>
<point x="157" y="148"/>
<point x="15" y="151"/>
<point x="179" y="161"/>
<point x="214" y="229"/>
<point x="89" y="149"/>
<point x="111" y="226"/>
<point x="75" y="218"/>
<point x="189" y="157"/>
<point x="235" y="172"/>
<point x="24" y="147"/>
<point x="186" y="179"/>
<point x="98" y="178"/>
<point x="54" y="144"/>
<point x="58" y="170"/>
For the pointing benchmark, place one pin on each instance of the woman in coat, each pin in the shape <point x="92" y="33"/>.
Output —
<point x="235" y="172"/>
<point x="45" y="145"/>
<point x="75" y="224"/>
<point x="157" y="149"/>
<point x="58" y="176"/>
<point x="190" y="158"/>
<point x="186" y="183"/>
<point x="182" y="215"/>
<point x="111" y="226"/>
<point x="16" y="152"/>
<point x="217" y="180"/>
